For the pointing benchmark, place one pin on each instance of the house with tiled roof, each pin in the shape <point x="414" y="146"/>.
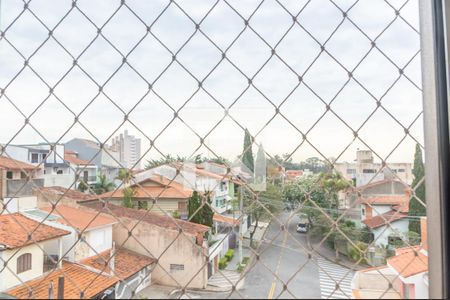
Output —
<point x="180" y="246"/>
<point x="405" y="275"/>
<point x="86" y="170"/>
<point x="195" y="177"/>
<point x="88" y="248"/>
<point x="157" y="193"/>
<point x="384" y="209"/>
<point x="25" y="245"/>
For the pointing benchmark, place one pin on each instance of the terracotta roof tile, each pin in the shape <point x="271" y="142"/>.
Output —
<point x="71" y="158"/>
<point x="150" y="217"/>
<point x="59" y="190"/>
<point x="386" y="218"/>
<point x="77" y="279"/>
<point x="409" y="263"/>
<point x="80" y="218"/>
<point x="386" y="200"/>
<point x="224" y="219"/>
<point x="126" y="262"/>
<point x="12" y="164"/>
<point x="13" y="235"/>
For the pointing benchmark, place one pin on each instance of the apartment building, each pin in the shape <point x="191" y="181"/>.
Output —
<point x="129" y="149"/>
<point x="365" y="170"/>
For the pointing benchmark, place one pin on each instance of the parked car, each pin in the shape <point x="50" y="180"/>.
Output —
<point x="303" y="224"/>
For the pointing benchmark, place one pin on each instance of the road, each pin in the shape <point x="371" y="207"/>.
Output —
<point x="284" y="262"/>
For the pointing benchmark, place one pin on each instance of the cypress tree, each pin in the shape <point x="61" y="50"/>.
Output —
<point x="417" y="209"/>
<point x="247" y="153"/>
<point x="204" y="215"/>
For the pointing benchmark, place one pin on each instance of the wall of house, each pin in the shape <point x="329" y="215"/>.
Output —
<point x="135" y="283"/>
<point x="8" y="279"/>
<point x="99" y="240"/>
<point x="381" y="234"/>
<point x="419" y="285"/>
<point x="169" y="247"/>
<point x="163" y="206"/>
<point x="63" y="180"/>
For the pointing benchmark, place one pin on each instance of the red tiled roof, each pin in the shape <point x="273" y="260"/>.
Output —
<point x="12" y="164"/>
<point x="386" y="218"/>
<point x="13" y="235"/>
<point x="385" y="200"/>
<point x="71" y="158"/>
<point x="148" y="192"/>
<point x="223" y="219"/>
<point x="80" y="218"/>
<point x="150" y="217"/>
<point x="59" y="190"/>
<point x="409" y="263"/>
<point x="126" y="262"/>
<point x="78" y="279"/>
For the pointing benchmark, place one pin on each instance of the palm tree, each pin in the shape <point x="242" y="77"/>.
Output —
<point x="125" y="175"/>
<point x="103" y="185"/>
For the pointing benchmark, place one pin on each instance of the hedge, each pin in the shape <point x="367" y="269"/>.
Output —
<point x="229" y="255"/>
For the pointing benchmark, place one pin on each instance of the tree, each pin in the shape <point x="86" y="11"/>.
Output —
<point x="260" y="166"/>
<point x="416" y="208"/>
<point x="82" y="186"/>
<point x="247" y="153"/>
<point x="125" y="175"/>
<point x="103" y="185"/>
<point x="128" y="197"/>
<point x="262" y="206"/>
<point x="200" y="214"/>
<point x="153" y="163"/>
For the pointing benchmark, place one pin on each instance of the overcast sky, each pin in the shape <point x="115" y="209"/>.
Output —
<point x="224" y="80"/>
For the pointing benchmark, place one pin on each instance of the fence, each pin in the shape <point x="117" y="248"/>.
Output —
<point x="306" y="86"/>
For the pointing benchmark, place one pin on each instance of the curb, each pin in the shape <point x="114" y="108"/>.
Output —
<point x="354" y="268"/>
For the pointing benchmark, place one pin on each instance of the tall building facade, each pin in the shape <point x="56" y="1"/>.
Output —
<point x="365" y="170"/>
<point x="129" y="148"/>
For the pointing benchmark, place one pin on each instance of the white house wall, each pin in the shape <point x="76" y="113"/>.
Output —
<point x="381" y="234"/>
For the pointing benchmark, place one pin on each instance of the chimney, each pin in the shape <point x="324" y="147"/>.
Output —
<point x="111" y="259"/>
<point x="61" y="287"/>
<point x="424" y="233"/>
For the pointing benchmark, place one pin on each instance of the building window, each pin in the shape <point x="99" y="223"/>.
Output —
<point x="34" y="158"/>
<point x="176" y="267"/>
<point x="369" y="171"/>
<point x="24" y="263"/>
<point x="59" y="172"/>
<point x="363" y="211"/>
<point x="351" y="171"/>
<point x="9" y="175"/>
<point x="401" y="170"/>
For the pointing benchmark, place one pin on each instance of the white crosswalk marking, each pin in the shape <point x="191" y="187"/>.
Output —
<point x="330" y="275"/>
<point x="224" y="278"/>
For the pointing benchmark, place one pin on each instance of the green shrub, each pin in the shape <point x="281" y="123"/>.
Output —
<point x="223" y="263"/>
<point x="245" y="260"/>
<point x="240" y="268"/>
<point x="229" y="255"/>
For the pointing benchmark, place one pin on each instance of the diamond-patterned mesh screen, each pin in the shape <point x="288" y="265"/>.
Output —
<point x="276" y="149"/>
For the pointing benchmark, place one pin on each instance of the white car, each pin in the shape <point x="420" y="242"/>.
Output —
<point x="302" y="227"/>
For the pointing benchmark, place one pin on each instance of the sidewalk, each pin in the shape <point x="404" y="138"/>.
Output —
<point x="234" y="263"/>
<point x="330" y="255"/>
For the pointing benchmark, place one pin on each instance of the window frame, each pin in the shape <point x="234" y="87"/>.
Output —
<point x="24" y="263"/>
<point x="435" y="29"/>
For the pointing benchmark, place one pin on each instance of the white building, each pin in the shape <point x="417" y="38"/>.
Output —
<point x="365" y="170"/>
<point x="59" y="167"/>
<point x="129" y="148"/>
